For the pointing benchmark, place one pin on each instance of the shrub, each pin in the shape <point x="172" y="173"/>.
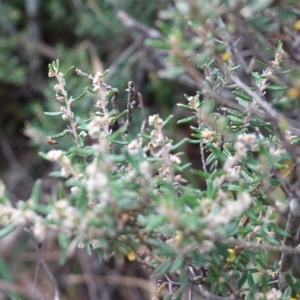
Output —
<point x="130" y="196"/>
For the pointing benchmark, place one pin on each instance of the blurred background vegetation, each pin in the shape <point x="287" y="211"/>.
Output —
<point x="95" y="35"/>
<point x="85" y="34"/>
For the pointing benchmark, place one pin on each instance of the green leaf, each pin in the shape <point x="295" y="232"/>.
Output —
<point x="235" y="120"/>
<point x="177" y="264"/>
<point x="157" y="43"/>
<point x="88" y="249"/>
<point x="88" y="150"/>
<point x="186" y="120"/>
<point x="79" y="97"/>
<point x="115" y="134"/>
<point x="105" y="73"/>
<point x="296" y="140"/>
<point x="119" y="116"/>
<point x="80" y="141"/>
<point x="69" y="70"/>
<point x="284" y="72"/>
<point x="153" y="222"/>
<point x="261" y="63"/>
<point x="44" y="155"/>
<point x="163" y="268"/>
<point x="242" y="280"/>
<point x="256" y="179"/>
<point x="36" y="191"/>
<point x="161" y="247"/>
<point x="60" y="190"/>
<point x="6" y="230"/>
<point x="262" y="263"/>
<point x="276" y="87"/>
<point x="242" y="96"/>
<point x="200" y="173"/>
<point x="250" y="280"/>
<point x="55" y="174"/>
<point x="235" y="113"/>
<point x="53" y="113"/>
<point x="51" y="70"/>
<point x="257" y="76"/>
<point x="57" y="64"/>
<point x="183" y="105"/>
<point x="193" y="141"/>
<point x="167" y="120"/>
<point x="91" y="91"/>
<point x="242" y="102"/>
<point x="184" y="280"/>
<point x="176" y="146"/>
<point x="61" y="134"/>
<point x="269" y="239"/>
<point x="280" y="230"/>
<point x="246" y="176"/>
<point x="120" y="142"/>
<point x="287" y="293"/>
<point x="235" y="67"/>
<point x="100" y="255"/>
<point x="218" y="153"/>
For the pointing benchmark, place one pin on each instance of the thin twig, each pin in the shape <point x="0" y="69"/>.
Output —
<point x="45" y="266"/>
<point x="292" y="227"/>
<point x="114" y="280"/>
<point x="114" y="103"/>
<point x="12" y="160"/>
<point x="130" y="106"/>
<point x="129" y="22"/>
<point x="143" y="114"/>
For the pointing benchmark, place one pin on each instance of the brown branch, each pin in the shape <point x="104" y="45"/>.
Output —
<point x="142" y="107"/>
<point x="114" y="280"/>
<point x="130" y="106"/>
<point x="292" y="227"/>
<point x="115" y="106"/>
<point x="131" y="23"/>
<point x="45" y="266"/>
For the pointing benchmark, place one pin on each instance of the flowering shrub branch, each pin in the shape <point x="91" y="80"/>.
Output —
<point x="129" y="197"/>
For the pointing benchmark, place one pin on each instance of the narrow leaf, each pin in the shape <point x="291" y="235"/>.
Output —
<point x="186" y="120"/>
<point x="79" y="97"/>
<point x="167" y="120"/>
<point x="242" y="95"/>
<point x="59" y="135"/>
<point x="276" y="87"/>
<point x="6" y="230"/>
<point x="69" y="70"/>
<point x="54" y="113"/>
<point x="163" y="268"/>
<point x="36" y="191"/>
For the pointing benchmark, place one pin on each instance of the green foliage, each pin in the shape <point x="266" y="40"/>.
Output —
<point x="122" y="192"/>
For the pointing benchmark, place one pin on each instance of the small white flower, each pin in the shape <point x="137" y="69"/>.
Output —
<point x="207" y="135"/>
<point x="75" y="190"/>
<point x="65" y="172"/>
<point x="175" y="159"/>
<point x="133" y="147"/>
<point x="81" y="245"/>
<point x="2" y="189"/>
<point x="241" y="149"/>
<point x="39" y="231"/>
<point x="65" y="117"/>
<point x="233" y="173"/>
<point x="155" y="120"/>
<point x="55" y="155"/>
<point x="61" y="204"/>
<point x="274" y="294"/>
<point x="231" y="160"/>
<point x="248" y="139"/>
